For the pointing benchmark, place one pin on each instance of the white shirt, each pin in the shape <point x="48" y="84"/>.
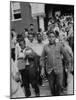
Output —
<point x="62" y="35"/>
<point x="46" y="41"/>
<point x="13" y="42"/>
<point x="19" y="53"/>
<point x="31" y="44"/>
<point x="27" y="41"/>
<point x="38" y="48"/>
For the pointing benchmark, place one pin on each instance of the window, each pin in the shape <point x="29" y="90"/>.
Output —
<point x="16" y="11"/>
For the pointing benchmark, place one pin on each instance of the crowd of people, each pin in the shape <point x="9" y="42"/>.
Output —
<point x="35" y="55"/>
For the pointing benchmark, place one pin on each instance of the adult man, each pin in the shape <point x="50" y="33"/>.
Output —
<point x="54" y="69"/>
<point x="38" y="50"/>
<point x="32" y="41"/>
<point x="32" y="30"/>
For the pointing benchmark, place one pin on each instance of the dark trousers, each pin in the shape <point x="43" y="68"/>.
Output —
<point x="64" y="78"/>
<point x="29" y="76"/>
<point x="55" y="83"/>
<point x="39" y="71"/>
<point x="13" y="53"/>
<point x="64" y="74"/>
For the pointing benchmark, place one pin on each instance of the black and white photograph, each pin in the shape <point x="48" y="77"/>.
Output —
<point x="41" y="49"/>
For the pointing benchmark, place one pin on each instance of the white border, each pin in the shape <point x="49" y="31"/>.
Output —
<point x="5" y="48"/>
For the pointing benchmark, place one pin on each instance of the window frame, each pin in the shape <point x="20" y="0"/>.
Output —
<point x="13" y="12"/>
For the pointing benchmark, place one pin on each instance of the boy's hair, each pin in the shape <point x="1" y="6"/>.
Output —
<point x="12" y="29"/>
<point x="50" y="32"/>
<point x="19" y="37"/>
<point x="22" y="40"/>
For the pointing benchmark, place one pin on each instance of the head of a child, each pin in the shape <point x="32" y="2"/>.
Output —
<point x="57" y="14"/>
<point x="39" y="37"/>
<point x="13" y="33"/>
<point x="26" y="32"/>
<point x="51" y="37"/>
<point x="31" y="27"/>
<point x="30" y="37"/>
<point x="22" y="44"/>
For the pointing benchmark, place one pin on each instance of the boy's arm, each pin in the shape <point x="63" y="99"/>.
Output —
<point x="42" y="60"/>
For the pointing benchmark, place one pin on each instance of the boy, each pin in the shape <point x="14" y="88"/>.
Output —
<point x="27" y="68"/>
<point x="54" y="69"/>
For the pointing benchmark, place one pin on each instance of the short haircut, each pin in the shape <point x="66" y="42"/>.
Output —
<point x="50" y="32"/>
<point x="12" y="29"/>
<point x="19" y="37"/>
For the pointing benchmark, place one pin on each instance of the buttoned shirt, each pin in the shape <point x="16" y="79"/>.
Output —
<point x="54" y="58"/>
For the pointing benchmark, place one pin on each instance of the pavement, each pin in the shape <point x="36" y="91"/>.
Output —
<point x="44" y="90"/>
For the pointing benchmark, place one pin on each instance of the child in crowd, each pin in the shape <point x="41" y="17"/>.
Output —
<point x="54" y="68"/>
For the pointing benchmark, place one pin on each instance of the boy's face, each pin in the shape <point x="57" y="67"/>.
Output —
<point x="31" y="38"/>
<point x="51" y="38"/>
<point x="22" y="44"/>
<point x="39" y="37"/>
<point x="31" y="27"/>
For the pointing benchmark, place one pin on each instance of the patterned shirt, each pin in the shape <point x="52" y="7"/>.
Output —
<point x="54" y="57"/>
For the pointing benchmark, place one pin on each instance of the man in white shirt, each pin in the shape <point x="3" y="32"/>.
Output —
<point x="31" y="41"/>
